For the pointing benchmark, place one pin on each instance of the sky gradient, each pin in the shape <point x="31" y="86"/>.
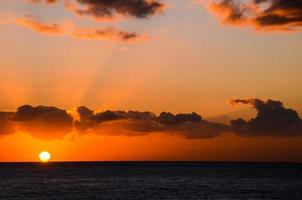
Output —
<point x="177" y="56"/>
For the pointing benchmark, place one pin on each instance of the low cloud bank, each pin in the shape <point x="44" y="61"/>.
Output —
<point x="48" y="122"/>
<point x="140" y="123"/>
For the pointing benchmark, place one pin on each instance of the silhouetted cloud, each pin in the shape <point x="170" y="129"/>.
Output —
<point x="108" y="10"/>
<point x="48" y="122"/>
<point x="44" y="122"/>
<point x="272" y="119"/>
<point x="84" y="112"/>
<point x="169" y="118"/>
<point x="264" y="15"/>
<point x="104" y="9"/>
<point x="139" y="123"/>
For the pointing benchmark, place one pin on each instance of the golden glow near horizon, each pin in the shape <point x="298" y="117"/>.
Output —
<point x="44" y="156"/>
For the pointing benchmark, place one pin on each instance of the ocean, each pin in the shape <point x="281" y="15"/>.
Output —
<point x="150" y="180"/>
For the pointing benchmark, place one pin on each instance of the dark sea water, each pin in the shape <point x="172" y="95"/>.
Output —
<point x="150" y="180"/>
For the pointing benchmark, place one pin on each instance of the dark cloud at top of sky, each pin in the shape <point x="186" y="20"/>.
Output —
<point x="280" y="12"/>
<point x="269" y="15"/>
<point x="272" y="119"/>
<point x="107" y="9"/>
<point x="104" y="9"/>
<point x="99" y="10"/>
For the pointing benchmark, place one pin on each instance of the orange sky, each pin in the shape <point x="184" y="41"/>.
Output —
<point x="22" y="147"/>
<point x="178" y="56"/>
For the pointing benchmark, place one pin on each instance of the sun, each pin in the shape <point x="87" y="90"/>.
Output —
<point x="44" y="156"/>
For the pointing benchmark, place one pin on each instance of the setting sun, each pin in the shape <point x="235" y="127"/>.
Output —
<point x="44" y="156"/>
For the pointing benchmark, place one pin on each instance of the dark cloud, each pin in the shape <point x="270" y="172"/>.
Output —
<point x="44" y="122"/>
<point x="84" y="112"/>
<point x="169" y="118"/>
<point x="89" y="120"/>
<point x="267" y="15"/>
<point x="272" y="119"/>
<point x="100" y="9"/>
<point x="48" y="122"/>
<point x="104" y="9"/>
<point x="140" y="123"/>
<point x="280" y="12"/>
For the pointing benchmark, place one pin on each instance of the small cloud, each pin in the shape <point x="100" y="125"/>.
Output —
<point x="108" y="33"/>
<point x="40" y="27"/>
<point x="69" y="29"/>
<point x="262" y="15"/>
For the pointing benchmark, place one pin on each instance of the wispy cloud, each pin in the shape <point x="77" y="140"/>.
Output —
<point x="40" y="27"/>
<point x="69" y="29"/>
<point x="107" y="34"/>
<point x="100" y="10"/>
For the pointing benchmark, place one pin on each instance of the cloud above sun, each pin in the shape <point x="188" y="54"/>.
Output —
<point x="189" y="125"/>
<point x="261" y="15"/>
<point x="40" y="27"/>
<point x="96" y="10"/>
<point x="48" y="122"/>
<point x="63" y="29"/>
<point x="43" y="122"/>
<point x="110" y="10"/>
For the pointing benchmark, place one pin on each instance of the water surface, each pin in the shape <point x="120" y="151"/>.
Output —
<point x="150" y="180"/>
